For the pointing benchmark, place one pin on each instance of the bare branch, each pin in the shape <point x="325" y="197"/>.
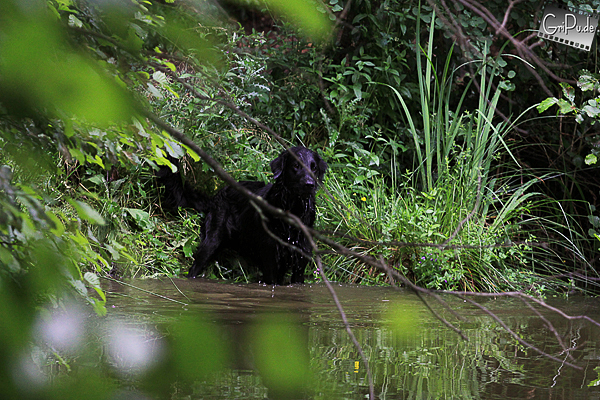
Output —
<point x="511" y="4"/>
<point x="549" y="325"/>
<point x="524" y="51"/>
<point x="514" y="334"/>
<point x="338" y="305"/>
<point x="311" y="235"/>
<point x="440" y="246"/>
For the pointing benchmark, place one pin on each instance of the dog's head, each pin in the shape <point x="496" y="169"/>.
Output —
<point x="291" y="173"/>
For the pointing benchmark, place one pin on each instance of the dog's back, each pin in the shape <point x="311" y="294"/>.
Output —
<point x="177" y="193"/>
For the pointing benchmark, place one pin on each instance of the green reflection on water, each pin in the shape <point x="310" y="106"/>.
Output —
<point x="256" y="342"/>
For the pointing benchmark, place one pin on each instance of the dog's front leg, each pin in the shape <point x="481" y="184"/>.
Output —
<point x="213" y="234"/>
<point x="298" y="270"/>
<point x="269" y="269"/>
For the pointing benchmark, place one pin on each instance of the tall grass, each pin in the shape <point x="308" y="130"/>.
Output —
<point x="455" y="196"/>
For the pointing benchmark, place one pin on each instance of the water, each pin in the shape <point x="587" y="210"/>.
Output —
<point x="412" y="355"/>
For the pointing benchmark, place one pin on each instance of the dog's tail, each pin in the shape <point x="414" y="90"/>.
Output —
<point x="178" y="193"/>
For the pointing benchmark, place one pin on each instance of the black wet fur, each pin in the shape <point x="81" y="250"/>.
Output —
<point x="231" y="222"/>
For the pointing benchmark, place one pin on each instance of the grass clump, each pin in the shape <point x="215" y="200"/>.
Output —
<point x="456" y="222"/>
<point x="407" y="227"/>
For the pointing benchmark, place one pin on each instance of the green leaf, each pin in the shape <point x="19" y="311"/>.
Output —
<point x="98" y="306"/>
<point x="546" y="104"/>
<point x="565" y="107"/>
<point x="160" y="77"/>
<point x="97" y="179"/>
<point x="58" y="228"/>
<point x="113" y="252"/>
<point x="95" y="160"/>
<point x="170" y="65"/>
<point x="78" y="155"/>
<point x="92" y="279"/>
<point x="75" y="22"/>
<point x="281" y="354"/>
<point x="568" y="91"/>
<point x="591" y="111"/>
<point x="187" y="351"/>
<point x="154" y="91"/>
<point x="86" y="212"/>
<point x="192" y="153"/>
<point x="305" y="15"/>
<point x="591" y="159"/>
<point x="188" y="247"/>
<point x="587" y="82"/>
<point x="141" y="217"/>
<point x="80" y="287"/>
<point x="9" y="260"/>
<point x="506" y="85"/>
<point x="188" y="41"/>
<point x="174" y="149"/>
<point x="39" y="70"/>
<point x="357" y="87"/>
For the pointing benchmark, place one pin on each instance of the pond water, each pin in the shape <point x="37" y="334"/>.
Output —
<point x="412" y="355"/>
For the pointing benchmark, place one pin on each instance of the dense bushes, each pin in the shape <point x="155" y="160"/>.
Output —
<point x="428" y="168"/>
<point x="407" y="122"/>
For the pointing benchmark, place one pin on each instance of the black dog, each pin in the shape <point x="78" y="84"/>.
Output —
<point x="232" y="222"/>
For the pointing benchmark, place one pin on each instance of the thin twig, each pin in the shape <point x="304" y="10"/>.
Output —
<point x="398" y="244"/>
<point x="515" y="336"/>
<point x="143" y="290"/>
<point x="347" y="326"/>
<point x="549" y="325"/>
<point x="264" y="220"/>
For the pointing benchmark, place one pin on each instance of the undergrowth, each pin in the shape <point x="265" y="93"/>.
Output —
<point x="463" y="216"/>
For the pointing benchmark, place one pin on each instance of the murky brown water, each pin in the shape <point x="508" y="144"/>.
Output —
<point x="411" y="354"/>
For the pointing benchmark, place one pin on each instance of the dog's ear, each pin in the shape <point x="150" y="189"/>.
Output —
<point x="278" y="164"/>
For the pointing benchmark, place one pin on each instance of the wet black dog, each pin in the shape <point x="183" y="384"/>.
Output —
<point x="232" y="222"/>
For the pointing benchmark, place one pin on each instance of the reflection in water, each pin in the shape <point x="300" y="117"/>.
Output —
<point x="294" y="335"/>
<point x="132" y="351"/>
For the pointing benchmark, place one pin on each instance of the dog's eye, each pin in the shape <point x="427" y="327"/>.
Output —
<point x="313" y="166"/>
<point x="297" y="166"/>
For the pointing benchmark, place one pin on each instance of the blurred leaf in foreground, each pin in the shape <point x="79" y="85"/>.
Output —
<point x="39" y="71"/>
<point x="280" y="347"/>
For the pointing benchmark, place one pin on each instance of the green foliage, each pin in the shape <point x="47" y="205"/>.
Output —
<point x="78" y="201"/>
<point x="40" y="71"/>
<point x="47" y="249"/>
<point x="493" y="251"/>
<point x="594" y="221"/>
<point x="302" y="14"/>
<point x="466" y="217"/>
<point x="586" y="110"/>
<point x="390" y="223"/>
<point x="279" y="79"/>
<point x="77" y="197"/>
<point x="281" y="355"/>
